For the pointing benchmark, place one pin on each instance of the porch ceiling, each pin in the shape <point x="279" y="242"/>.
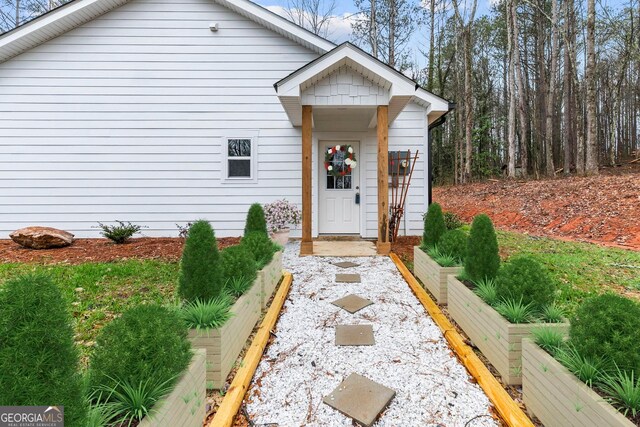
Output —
<point x="343" y="118"/>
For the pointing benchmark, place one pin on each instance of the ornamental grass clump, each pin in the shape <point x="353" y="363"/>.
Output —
<point x="200" y="271"/>
<point x="434" y="226"/>
<point x="39" y="362"/>
<point x="482" y="258"/>
<point x="256" y="221"/>
<point x="203" y="315"/>
<point x="261" y="246"/>
<point x="146" y="347"/>
<point x="281" y="214"/>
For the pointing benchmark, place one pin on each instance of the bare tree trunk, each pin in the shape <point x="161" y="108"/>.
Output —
<point x="568" y="87"/>
<point x="591" y="163"/>
<point x="432" y="10"/>
<point x="551" y="93"/>
<point x="468" y="101"/>
<point x="17" y="23"/>
<point x="392" y="34"/>
<point x="522" y="102"/>
<point x="511" y="120"/>
<point x="373" y="37"/>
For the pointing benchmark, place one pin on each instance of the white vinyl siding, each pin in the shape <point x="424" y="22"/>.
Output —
<point x="123" y="118"/>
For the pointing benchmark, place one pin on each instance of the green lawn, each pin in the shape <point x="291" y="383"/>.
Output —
<point x="580" y="269"/>
<point x="98" y="291"/>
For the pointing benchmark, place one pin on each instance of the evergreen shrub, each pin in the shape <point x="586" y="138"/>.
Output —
<point x="482" y="260"/>
<point x="434" y="226"/>
<point x="261" y="246"/>
<point x="256" y="221"/>
<point x="39" y="363"/>
<point x="454" y="243"/>
<point x="607" y="327"/>
<point x="200" y="271"/>
<point x="238" y="262"/>
<point x="524" y="279"/>
<point x="146" y="345"/>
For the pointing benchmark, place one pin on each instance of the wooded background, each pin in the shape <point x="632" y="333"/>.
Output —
<point x="542" y="87"/>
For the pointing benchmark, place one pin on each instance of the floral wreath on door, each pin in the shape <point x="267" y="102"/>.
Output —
<point x="350" y="161"/>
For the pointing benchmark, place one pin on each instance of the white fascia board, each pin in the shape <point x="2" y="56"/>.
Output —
<point x="400" y="85"/>
<point x="278" y="24"/>
<point x="48" y="26"/>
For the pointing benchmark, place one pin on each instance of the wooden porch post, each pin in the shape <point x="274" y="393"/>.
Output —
<point x="384" y="246"/>
<point x="306" y="247"/>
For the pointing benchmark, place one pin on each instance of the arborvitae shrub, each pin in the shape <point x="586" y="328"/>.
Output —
<point x="525" y="279"/>
<point x="256" y="221"/>
<point x="146" y="343"/>
<point x="452" y="221"/>
<point x="261" y="246"/>
<point x="434" y="226"/>
<point x="38" y="358"/>
<point x="454" y="243"/>
<point x="483" y="259"/>
<point x="608" y="327"/>
<point x="238" y="262"/>
<point x="200" y="270"/>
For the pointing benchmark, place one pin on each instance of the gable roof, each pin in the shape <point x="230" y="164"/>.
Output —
<point x="402" y="89"/>
<point x="78" y="12"/>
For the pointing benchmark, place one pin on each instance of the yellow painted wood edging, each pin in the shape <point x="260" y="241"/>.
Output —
<point x="510" y="412"/>
<point x="233" y="399"/>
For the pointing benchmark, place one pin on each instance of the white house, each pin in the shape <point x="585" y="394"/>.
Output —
<point x="163" y="111"/>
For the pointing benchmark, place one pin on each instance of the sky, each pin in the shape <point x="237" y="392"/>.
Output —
<point x="340" y="24"/>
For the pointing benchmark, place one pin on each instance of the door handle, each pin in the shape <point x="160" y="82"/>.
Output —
<point x="357" y="195"/>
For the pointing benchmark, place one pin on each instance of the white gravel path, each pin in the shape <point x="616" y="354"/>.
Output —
<point x="411" y="356"/>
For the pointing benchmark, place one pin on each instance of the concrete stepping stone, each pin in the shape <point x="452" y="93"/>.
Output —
<point x="360" y="398"/>
<point x="352" y="303"/>
<point x="346" y="264"/>
<point x="347" y="335"/>
<point x="347" y="278"/>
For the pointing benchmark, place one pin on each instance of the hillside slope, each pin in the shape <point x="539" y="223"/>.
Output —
<point x="604" y="209"/>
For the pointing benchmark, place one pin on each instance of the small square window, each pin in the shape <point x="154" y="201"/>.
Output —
<point x="239" y="159"/>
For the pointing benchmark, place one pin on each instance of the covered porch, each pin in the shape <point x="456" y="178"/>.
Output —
<point x="348" y="100"/>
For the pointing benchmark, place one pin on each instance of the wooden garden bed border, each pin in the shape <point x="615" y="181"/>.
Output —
<point x="233" y="399"/>
<point x="510" y="412"/>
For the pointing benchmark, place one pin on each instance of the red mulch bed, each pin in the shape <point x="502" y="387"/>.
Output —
<point x="602" y="209"/>
<point x="102" y="250"/>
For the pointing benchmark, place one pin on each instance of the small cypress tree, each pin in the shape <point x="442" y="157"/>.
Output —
<point x="483" y="259"/>
<point x="38" y="358"/>
<point x="434" y="226"/>
<point x="200" y="272"/>
<point x="255" y="220"/>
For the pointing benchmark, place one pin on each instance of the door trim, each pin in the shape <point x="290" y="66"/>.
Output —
<point x="321" y="179"/>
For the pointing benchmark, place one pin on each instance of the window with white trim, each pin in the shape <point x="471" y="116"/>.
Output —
<point x="240" y="158"/>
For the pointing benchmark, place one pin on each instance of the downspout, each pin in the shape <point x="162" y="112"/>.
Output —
<point x="439" y="122"/>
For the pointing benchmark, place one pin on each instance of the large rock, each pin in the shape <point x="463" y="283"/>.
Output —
<point x="41" y="237"/>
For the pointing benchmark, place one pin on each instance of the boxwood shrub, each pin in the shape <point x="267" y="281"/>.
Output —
<point x="526" y="280"/>
<point x="483" y="260"/>
<point x="38" y="358"/>
<point x="261" y="246"/>
<point x="608" y="327"/>
<point x="256" y="221"/>
<point x="434" y="226"/>
<point x="238" y="263"/>
<point x="200" y="271"/>
<point x="147" y="344"/>
<point x="454" y="243"/>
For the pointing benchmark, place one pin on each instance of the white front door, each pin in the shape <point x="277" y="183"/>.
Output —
<point x="338" y="211"/>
